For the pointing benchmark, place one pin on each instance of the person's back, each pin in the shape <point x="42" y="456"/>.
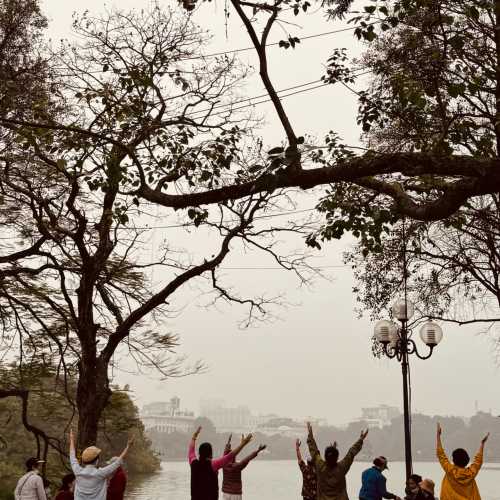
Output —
<point x="117" y="484"/>
<point x="459" y="482"/>
<point x="373" y="482"/>
<point x="204" y="481"/>
<point x="30" y="487"/>
<point x="331" y="475"/>
<point x="92" y="482"/>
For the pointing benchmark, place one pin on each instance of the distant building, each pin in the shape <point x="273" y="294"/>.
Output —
<point x="238" y="419"/>
<point x="379" y="416"/>
<point x="167" y="417"/>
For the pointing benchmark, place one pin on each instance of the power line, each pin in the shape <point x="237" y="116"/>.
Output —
<point x="251" y="98"/>
<point x="245" y="49"/>
<point x="229" y="105"/>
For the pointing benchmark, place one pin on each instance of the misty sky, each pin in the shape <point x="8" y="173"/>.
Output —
<point x="316" y="359"/>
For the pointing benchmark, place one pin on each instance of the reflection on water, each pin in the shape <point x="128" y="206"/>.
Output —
<point x="280" y="480"/>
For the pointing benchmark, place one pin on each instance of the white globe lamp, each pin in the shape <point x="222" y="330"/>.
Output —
<point x="403" y="309"/>
<point x="431" y="333"/>
<point x="385" y="331"/>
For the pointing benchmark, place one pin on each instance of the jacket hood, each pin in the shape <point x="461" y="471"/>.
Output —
<point x="462" y="475"/>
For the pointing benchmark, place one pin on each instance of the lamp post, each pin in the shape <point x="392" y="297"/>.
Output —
<point x="398" y="343"/>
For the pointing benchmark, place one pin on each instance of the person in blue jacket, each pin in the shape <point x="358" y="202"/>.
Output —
<point x="373" y="482"/>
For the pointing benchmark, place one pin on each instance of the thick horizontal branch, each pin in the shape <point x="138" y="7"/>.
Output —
<point x="473" y="177"/>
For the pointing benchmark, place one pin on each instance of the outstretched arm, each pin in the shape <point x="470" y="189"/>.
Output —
<point x="241" y="465"/>
<point x="478" y="459"/>
<point x="347" y="461"/>
<point x="109" y="470"/>
<point x="192" y="446"/>
<point x="297" y="451"/>
<point x="72" y="452"/>
<point x="443" y="459"/>
<point x="219" y="463"/>
<point x="311" y="443"/>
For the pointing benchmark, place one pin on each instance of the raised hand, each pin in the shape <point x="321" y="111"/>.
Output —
<point x="196" y="433"/>
<point x="364" y="434"/>
<point x="262" y="447"/>
<point x="246" y="439"/>
<point x="297" y="443"/>
<point x="130" y="441"/>
<point x="229" y="439"/>
<point x="439" y="430"/>
<point x="485" y="438"/>
<point x="309" y="427"/>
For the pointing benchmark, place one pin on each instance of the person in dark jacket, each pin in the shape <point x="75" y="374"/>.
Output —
<point x="67" y="488"/>
<point x="309" y="482"/>
<point x="330" y="471"/>
<point x="373" y="482"/>
<point x="117" y="484"/>
<point x="204" y="478"/>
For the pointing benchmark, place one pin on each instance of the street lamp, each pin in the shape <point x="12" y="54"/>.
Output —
<point x="397" y="343"/>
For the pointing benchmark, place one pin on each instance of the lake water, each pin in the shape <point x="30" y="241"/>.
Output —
<point x="281" y="480"/>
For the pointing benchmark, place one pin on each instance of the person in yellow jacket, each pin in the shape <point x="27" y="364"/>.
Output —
<point x="459" y="482"/>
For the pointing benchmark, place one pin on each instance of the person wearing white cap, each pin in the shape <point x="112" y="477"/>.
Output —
<point x="91" y="481"/>
<point x="30" y="486"/>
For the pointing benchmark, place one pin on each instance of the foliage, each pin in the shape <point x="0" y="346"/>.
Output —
<point x="434" y="89"/>
<point x="49" y="409"/>
<point x="76" y="287"/>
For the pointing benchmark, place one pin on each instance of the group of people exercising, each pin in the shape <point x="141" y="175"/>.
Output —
<point x="323" y="477"/>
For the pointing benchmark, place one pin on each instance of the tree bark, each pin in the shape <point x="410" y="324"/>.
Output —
<point x="93" y="394"/>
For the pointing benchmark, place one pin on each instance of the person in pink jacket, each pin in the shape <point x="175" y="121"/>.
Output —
<point x="204" y="468"/>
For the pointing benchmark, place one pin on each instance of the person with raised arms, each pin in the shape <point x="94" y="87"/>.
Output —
<point x="204" y="469"/>
<point x="459" y="482"/>
<point x="92" y="481"/>
<point x="232" y="485"/>
<point x="331" y="472"/>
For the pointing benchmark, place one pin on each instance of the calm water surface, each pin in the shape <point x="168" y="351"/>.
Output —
<point x="281" y="480"/>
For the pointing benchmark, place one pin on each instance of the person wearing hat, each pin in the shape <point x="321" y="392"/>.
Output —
<point x="331" y="472"/>
<point x="373" y="482"/>
<point x="30" y="486"/>
<point x="426" y="490"/>
<point x="459" y="482"/>
<point x="92" y="481"/>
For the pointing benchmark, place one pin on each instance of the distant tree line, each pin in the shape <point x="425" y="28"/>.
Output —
<point x="387" y="441"/>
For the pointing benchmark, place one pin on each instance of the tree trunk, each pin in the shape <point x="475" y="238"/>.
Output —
<point x="92" y="397"/>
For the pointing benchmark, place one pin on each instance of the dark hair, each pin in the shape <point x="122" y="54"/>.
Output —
<point x="205" y="451"/>
<point x="331" y="455"/>
<point x="31" y="463"/>
<point x="460" y="457"/>
<point x="380" y="462"/>
<point x="416" y="478"/>
<point x="66" y="481"/>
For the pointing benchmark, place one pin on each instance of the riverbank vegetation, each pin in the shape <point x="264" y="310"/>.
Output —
<point x="48" y="408"/>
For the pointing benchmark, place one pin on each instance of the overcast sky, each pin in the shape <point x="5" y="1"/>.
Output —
<point x="316" y="359"/>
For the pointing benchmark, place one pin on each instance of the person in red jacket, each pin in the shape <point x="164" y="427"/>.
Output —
<point x="117" y="484"/>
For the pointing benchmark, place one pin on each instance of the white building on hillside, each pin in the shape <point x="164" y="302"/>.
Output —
<point x="167" y="417"/>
